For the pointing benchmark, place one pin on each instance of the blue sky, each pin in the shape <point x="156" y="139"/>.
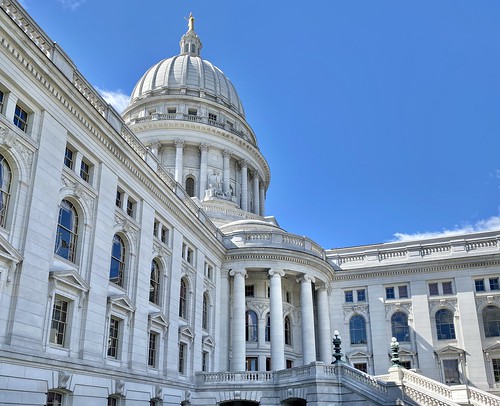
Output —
<point x="380" y="119"/>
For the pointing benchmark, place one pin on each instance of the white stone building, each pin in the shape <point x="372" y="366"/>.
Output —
<point x="137" y="265"/>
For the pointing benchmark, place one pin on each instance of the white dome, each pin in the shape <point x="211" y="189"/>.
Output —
<point x="188" y="74"/>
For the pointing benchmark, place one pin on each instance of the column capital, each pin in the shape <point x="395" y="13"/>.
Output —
<point x="156" y="144"/>
<point x="226" y="153"/>
<point x="204" y="147"/>
<point x="255" y="173"/>
<point x="179" y="143"/>
<point x="306" y="279"/>
<point x="242" y="272"/>
<point x="243" y="163"/>
<point x="276" y="272"/>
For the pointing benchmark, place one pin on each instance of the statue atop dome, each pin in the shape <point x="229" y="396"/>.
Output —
<point x="190" y="43"/>
<point x="190" y="22"/>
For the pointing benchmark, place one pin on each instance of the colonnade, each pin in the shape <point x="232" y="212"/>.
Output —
<point x="257" y="186"/>
<point x="277" y="339"/>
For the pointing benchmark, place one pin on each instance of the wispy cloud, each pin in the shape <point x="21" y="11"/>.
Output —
<point x="490" y="224"/>
<point x="71" y="4"/>
<point x="117" y="99"/>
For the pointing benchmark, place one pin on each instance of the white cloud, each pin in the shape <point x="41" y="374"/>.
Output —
<point x="71" y="4"/>
<point x="490" y="224"/>
<point x="117" y="99"/>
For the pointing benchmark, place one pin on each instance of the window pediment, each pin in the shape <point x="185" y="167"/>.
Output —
<point x="186" y="332"/>
<point x="69" y="278"/>
<point x="449" y="350"/>
<point x="492" y="348"/>
<point x="9" y="257"/>
<point x="208" y="341"/>
<point x="359" y="354"/>
<point x="122" y="302"/>
<point x="158" y="319"/>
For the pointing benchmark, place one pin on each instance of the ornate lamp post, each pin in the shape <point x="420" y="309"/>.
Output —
<point x="337" y="353"/>
<point x="395" y="352"/>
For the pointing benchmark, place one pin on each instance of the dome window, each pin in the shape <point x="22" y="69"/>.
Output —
<point x="190" y="186"/>
<point x="192" y="112"/>
<point x="193" y="48"/>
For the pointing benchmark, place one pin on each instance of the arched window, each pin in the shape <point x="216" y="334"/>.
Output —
<point x="183" y="299"/>
<point x="67" y="229"/>
<point x="445" y="327"/>
<point x="190" y="186"/>
<point x="268" y="327"/>
<point x="154" y="283"/>
<point x="399" y="325"/>
<point x="54" y="398"/>
<point x="204" y="317"/>
<point x="357" y="329"/>
<point x="5" y="181"/>
<point x="252" y="328"/>
<point x="288" y="331"/>
<point x="117" y="267"/>
<point x="491" y="321"/>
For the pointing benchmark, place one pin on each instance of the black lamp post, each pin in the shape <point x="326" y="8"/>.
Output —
<point x="337" y="353"/>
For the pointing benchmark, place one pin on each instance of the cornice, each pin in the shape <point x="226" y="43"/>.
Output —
<point x="403" y="269"/>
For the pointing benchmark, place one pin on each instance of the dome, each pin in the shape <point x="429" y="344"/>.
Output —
<point x="188" y="74"/>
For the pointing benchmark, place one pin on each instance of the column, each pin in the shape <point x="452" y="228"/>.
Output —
<point x="277" y="327"/>
<point x="306" y="305"/>
<point x="225" y="177"/>
<point x="244" y="185"/>
<point x="179" y="155"/>
<point x="256" y="194"/>
<point x="324" y="332"/>
<point x="239" y="342"/>
<point x="262" y="199"/>
<point x="203" y="170"/>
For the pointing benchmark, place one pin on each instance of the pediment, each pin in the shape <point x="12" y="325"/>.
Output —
<point x="449" y="349"/>
<point x="158" y="318"/>
<point x="492" y="348"/>
<point x="359" y="354"/>
<point x="208" y="341"/>
<point x="69" y="279"/>
<point x="8" y="252"/>
<point x="122" y="302"/>
<point x="186" y="331"/>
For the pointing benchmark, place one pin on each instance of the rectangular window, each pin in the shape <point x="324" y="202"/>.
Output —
<point x="21" y="118"/>
<point x="479" y="284"/>
<point x="2" y="100"/>
<point x="119" y="199"/>
<point x="182" y="358"/>
<point x="451" y="373"/>
<point x="252" y="364"/>
<point x="361" y="366"/>
<point x="130" y="207"/>
<point x="496" y="369"/>
<point x="192" y="112"/>
<point x="113" y="339"/>
<point x="164" y="235"/>
<point x="152" y="349"/>
<point x="361" y="294"/>
<point x="289" y="363"/>
<point x="249" y="291"/>
<point x="405" y="364"/>
<point x="156" y="226"/>
<point x="349" y="298"/>
<point x="494" y="284"/>
<point x="268" y="364"/>
<point x="212" y="117"/>
<point x="389" y="293"/>
<point x="433" y="289"/>
<point x="447" y="288"/>
<point x="204" y="361"/>
<point x="190" y="255"/>
<point x="288" y="296"/>
<point x="85" y="171"/>
<point x="112" y="401"/>
<point x="403" y="292"/>
<point x="68" y="158"/>
<point x="171" y="110"/>
<point x="59" y="321"/>
<point x="54" y="399"/>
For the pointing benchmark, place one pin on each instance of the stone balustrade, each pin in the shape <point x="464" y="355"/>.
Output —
<point x="273" y="239"/>
<point x="399" y="252"/>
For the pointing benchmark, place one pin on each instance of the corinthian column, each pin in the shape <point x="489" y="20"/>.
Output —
<point x="262" y="199"/>
<point x="179" y="155"/>
<point x="277" y="328"/>
<point x="225" y="181"/>
<point x="325" y="347"/>
<point x="306" y="306"/>
<point x="239" y="343"/>
<point x="256" y="194"/>
<point x="203" y="170"/>
<point x="244" y="185"/>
